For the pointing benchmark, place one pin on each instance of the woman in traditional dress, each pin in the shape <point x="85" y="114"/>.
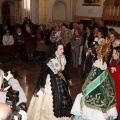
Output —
<point x="97" y="100"/>
<point x="51" y="100"/>
<point x="114" y="70"/>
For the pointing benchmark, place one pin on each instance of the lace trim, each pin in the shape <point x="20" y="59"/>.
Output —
<point x="62" y="102"/>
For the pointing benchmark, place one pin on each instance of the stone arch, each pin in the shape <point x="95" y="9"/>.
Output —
<point x="5" y="9"/>
<point x="12" y="10"/>
<point x="59" y="11"/>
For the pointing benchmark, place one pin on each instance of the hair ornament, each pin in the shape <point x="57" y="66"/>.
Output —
<point x="103" y="49"/>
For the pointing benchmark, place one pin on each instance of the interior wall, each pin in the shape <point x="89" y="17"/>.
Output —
<point x="50" y="4"/>
<point x="35" y="11"/>
<point x="90" y="11"/>
<point x="58" y="8"/>
<point x="32" y="7"/>
<point x="12" y="11"/>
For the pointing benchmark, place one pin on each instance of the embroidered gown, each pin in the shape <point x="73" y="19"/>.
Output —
<point x="55" y="103"/>
<point x="97" y="100"/>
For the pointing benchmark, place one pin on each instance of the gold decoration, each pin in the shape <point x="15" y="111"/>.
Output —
<point x="118" y="11"/>
<point x="42" y="11"/>
<point x="110" y="11"/>
<point x="113" y="10"/>
<point x="74" y="3"/>
<point x="104" y="49"/>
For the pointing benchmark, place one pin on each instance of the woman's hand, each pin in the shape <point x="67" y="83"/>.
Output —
<point x="89" y="51"/>
<point x="42" y="89"/>
<point x="70" y="82"/>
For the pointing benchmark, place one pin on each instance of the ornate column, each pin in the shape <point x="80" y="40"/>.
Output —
<point x="73" y="3"/>
<point x="42" y="11"/>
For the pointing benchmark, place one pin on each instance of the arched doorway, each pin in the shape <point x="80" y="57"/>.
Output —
<point x="6" y="13"/>
<point x="59" y="11"/>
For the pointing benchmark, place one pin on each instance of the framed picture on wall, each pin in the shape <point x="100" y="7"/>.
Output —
<point x="92" y="3"/>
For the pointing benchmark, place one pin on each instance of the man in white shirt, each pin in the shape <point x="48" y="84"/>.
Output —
<point x="8" y="39"/>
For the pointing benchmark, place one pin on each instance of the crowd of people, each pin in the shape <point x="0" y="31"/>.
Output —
<point x="94" y="49"/>
<point x="41" y="40"/>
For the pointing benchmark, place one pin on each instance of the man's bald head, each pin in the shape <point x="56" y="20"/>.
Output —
<point x="5" y="112"/>
<point x="116" y="43"/>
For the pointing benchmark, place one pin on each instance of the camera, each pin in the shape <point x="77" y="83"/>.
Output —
<point x="11" y="99"/>
<point x="93" y="47"/>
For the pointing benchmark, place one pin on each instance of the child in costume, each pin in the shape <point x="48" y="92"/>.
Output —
<point x="97" y="100"/>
